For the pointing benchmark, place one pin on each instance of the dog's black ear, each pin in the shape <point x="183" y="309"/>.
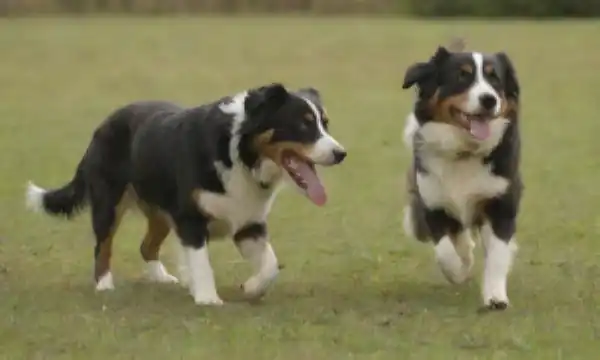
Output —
<point x="423" y="71"/>
<point x="311" y="94"/>
<point x="441" y="55"/>
<point x="259" y="104"/>
<point x="266" y="98"/>
<point x="417" y="73"/>
<point x="511" y="83"/>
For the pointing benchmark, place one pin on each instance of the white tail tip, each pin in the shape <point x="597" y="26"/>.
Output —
<point x="34" y="197"/>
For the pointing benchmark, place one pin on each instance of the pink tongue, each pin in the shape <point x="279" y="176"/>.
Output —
<point x="314" y="188"/>
<point x="480" y="129"/>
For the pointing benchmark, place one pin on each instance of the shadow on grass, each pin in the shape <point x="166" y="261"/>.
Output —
<point x="382" y="302"/>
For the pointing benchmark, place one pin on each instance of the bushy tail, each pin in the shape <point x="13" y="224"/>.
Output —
<point x="66" y="201"/>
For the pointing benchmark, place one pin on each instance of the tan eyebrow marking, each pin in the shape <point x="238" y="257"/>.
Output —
<point x="488" y="68"/>
<point x="309" y="117"/>
<point x="467" y="68"/>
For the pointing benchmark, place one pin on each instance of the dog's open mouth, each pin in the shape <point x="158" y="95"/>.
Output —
<point x="304" y="175"/>
<point x="477" y="124"/>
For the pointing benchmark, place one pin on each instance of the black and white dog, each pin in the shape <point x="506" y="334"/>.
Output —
<point x="464" y="179"/>
<point x="206" y="172"/>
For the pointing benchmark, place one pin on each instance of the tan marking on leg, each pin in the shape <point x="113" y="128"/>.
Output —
<point x="156" y="233"/>
<point x="102" y="263"/>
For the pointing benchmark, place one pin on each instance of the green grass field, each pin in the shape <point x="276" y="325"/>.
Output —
<point x="353" y="287"/>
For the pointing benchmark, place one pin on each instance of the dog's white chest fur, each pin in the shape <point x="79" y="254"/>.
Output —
<point x="244" y="200"/>
<point x="458" y="185"/>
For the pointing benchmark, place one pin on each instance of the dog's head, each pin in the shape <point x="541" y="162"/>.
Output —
<point x="464" y="89"/>
<point x="290" y="128"/>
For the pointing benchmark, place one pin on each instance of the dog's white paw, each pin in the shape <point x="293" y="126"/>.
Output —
<point x="255" y="287"/>
<point x="497" y="301"/>
<point x="207" y="300"/>
<point x="156" y="272"/>
<point x="105" y="282"/>
<point x="494" y="292"/>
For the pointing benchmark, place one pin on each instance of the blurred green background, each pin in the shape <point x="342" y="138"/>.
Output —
<point x="427" y="8"/>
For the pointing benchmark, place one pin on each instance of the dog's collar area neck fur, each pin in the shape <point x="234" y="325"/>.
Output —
<point x="265" y="173"/>
<point x="459" y="154"/>
<point x="465" y="154"/>
<point x="248" y="157"/>
<point x="472" y="150"/>
<point x="241" y="154"/>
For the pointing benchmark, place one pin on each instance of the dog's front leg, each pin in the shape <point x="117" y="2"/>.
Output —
<point x="193" y="232"/>
<point x="454" y="255"/>
<point x="252" y="242"/>
<point x="453" y="245"/>
<point x="500" y="248"/>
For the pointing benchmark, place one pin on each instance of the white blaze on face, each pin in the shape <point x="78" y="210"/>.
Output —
<point x="480" y="87"/>
<point x="326" y="145"/>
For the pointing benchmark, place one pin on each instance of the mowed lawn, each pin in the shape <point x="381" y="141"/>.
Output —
<point x="353" y="287"/>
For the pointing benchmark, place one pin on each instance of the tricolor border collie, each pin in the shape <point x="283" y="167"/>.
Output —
<point x="464" y="179"/>
<point x="206" y="172"/>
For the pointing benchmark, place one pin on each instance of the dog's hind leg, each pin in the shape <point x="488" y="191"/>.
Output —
<point x="156" y="233"/>
<point x="108" y="207"/>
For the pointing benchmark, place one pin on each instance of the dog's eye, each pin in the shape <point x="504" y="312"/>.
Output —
<point x="463" y="75"/>
<point x="493" y="76"/>
<point x="305" y="124"/>
<point x="325" y="122"/>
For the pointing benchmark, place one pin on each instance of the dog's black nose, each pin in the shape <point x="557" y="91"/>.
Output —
<point x="339" y="156"/>
<point x="488" y="101"/>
